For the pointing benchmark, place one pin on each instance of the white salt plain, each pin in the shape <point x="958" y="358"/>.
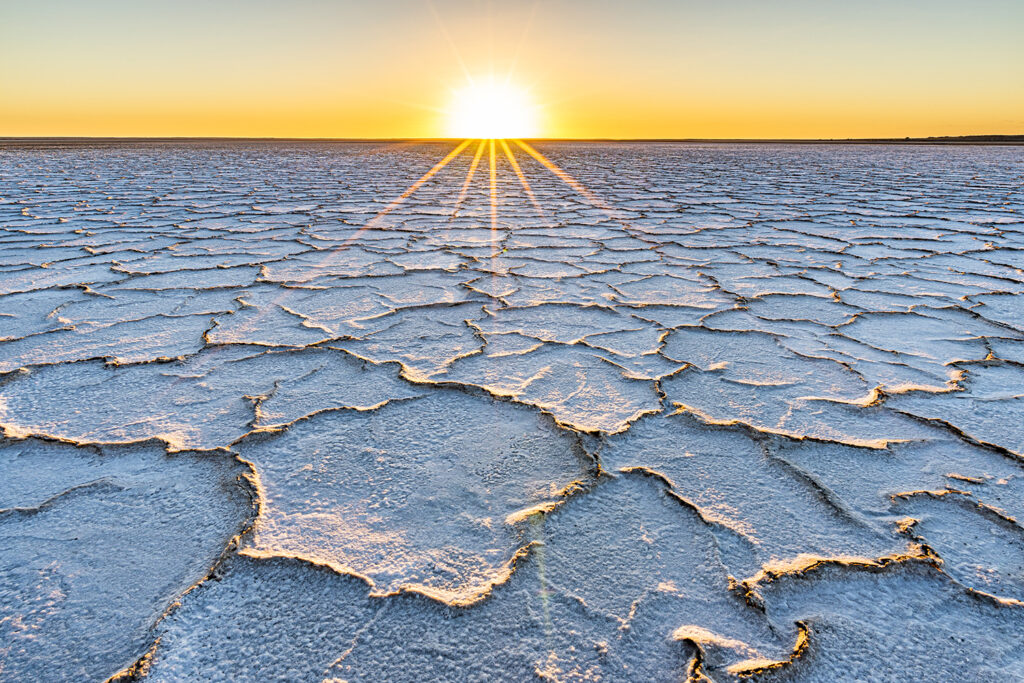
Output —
<point x="734" y="410"/>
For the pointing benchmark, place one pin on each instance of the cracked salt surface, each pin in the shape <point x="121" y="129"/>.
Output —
<point x="699" y="412"/>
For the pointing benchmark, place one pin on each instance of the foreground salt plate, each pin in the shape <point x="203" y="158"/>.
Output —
<point x="733" y="411"/>
<point x="422" y="495"/>
<point x="97" y="545"/>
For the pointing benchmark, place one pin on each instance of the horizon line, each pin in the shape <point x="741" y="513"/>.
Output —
<point x="991" y="139"/>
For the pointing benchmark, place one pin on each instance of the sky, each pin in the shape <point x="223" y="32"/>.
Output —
<point x="591" y="68"/>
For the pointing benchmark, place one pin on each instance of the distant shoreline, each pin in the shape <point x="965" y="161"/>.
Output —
<point x="942" y="140"/>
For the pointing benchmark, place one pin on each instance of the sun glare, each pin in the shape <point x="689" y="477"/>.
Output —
<point x="492" y="109"/>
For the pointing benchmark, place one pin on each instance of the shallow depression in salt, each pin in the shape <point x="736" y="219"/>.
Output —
<point x="625" y="412"/>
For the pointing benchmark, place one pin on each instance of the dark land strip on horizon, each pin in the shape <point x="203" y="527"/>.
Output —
<point x="944" y="140"/>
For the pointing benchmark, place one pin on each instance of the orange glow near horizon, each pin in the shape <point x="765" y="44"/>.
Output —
<point x="398" y="69"/>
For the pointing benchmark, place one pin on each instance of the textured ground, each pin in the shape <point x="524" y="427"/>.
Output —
<point x="673" y="411"/>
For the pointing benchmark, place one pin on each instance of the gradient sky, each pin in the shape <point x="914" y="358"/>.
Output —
<point x="654" y="68"/>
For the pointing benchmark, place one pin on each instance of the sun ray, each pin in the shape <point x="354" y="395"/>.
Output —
<point x="395" y="203"/>
<point x="494" y="200"/>
<point x="329" y="256"/>
<point x="568" y="179"/>
<point x="527" y="25"/>
<point x="333" y="253"/>
<point x="469" y="177"/>
<point x="448" y="39"/>
<point x="522" y="178"/>
<point x="415" y="186"/>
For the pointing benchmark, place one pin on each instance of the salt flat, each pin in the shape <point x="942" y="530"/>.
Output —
<point x="657" y="411"/>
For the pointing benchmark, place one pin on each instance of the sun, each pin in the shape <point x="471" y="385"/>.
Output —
<point x="492" y="109"/>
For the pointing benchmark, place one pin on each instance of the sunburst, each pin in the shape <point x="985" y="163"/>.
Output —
<point x="492" y="108"/>
<point x="490" y="146"/>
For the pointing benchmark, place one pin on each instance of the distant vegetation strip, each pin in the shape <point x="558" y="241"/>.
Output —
<point x="941" y="140"/>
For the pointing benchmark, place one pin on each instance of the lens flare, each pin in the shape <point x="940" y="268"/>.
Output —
<point x="492" y="109"/>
